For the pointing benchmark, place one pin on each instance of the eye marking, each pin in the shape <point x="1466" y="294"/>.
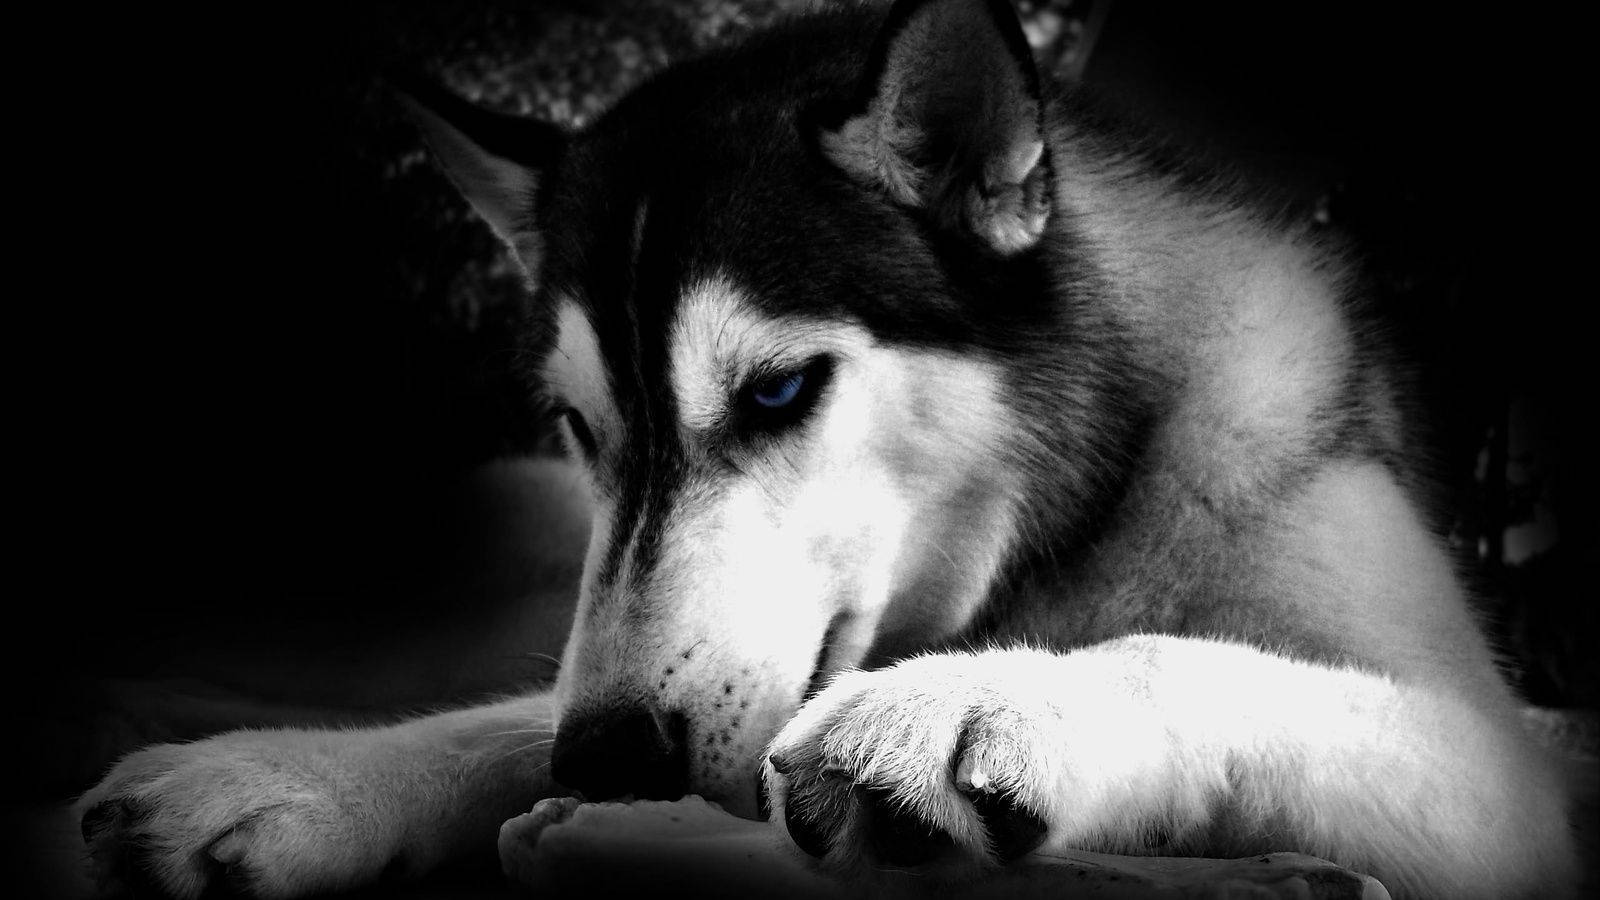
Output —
<point x="778" y="391"/>
<point x="579" y="429"/>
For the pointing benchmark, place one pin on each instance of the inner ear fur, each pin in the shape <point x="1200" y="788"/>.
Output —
<point x="499" y="163"/>
<point x="949" y="119"/>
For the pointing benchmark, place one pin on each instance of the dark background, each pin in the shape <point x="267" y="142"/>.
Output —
<point x="263" y="347"/>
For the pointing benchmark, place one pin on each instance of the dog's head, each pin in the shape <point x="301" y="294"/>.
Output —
<point x="780" y="281"/>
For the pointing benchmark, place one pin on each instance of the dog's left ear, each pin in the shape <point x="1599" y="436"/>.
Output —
<point x="501" y="164"/>
<point x="949" y="119"/>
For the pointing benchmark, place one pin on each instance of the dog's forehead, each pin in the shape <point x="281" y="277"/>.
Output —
<point x="720" y="342"/>
<point x="775" y="229"/>
<point x="656" y="277"/>
<point x="631" y="236"/>
<point x="712" y="167"/>
<point x="687" y="145"/>
<point x="702" y="190"/>
<point x="715" y="340"/>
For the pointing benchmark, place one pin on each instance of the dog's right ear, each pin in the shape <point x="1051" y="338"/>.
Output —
<point x="949" y="120"/>
<point x="499" y="163"/>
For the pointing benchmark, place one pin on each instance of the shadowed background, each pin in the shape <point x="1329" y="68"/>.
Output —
<point x="276" y="350"/>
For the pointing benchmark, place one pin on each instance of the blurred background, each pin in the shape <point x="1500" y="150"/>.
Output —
<point x="270" y="437"/>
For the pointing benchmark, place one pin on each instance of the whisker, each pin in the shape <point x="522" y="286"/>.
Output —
<point x="929" y="542"/>
<point x="522" y="749"/>
<point x="520" y="731"/>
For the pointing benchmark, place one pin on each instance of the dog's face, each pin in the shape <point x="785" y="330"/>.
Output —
<point x="776" y="496"/>
<point x="768" y="357"/>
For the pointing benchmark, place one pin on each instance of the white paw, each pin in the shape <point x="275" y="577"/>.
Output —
<point x="912" y="763"/>
<point x="981" y="758"/>
<point x="243" y="812"/>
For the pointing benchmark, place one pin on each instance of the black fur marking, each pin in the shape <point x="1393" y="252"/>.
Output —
<point x="820" y="669"/>
<point x="581" y="433"/>
<point x="1003" y="18"/>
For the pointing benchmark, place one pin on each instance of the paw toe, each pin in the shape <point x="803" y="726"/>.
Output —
<point x="817" y="810"/>
<point x="1013" y="831"/>
<point x="104" y="815"/>
<point x="231" y="880"/>
<point x="807" y="832"/>
<point x="230" y="848"/>
<point x="898" y="836"/>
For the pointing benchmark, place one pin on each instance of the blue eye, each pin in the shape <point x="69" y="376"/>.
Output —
<point x="780" y="391"/>
<point x="784" y="399"/>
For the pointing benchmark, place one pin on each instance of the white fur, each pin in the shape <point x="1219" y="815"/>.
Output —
<point x="1110" y="743"/>
<point x="866" y="513"/>
<point x="574" y="373"/>
<point x="292" y="813"/>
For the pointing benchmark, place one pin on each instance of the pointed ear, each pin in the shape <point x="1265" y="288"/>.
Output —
<point x="949" y="119"/>
<point x="499" y="163"/>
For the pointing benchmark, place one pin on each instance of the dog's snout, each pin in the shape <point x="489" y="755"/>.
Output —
<point x="610" y="753"/>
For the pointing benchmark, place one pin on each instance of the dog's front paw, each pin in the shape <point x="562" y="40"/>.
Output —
<point x="980" y="758"/>
<point x="924" y="760"/>
<point x="247" y="812"/>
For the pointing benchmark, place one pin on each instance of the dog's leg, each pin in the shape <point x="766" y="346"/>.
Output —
<point x="1171" y="745"/>
<point x="280" y="813"/>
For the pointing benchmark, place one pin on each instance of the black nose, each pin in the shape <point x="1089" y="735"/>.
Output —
<point x="609" y="753"/>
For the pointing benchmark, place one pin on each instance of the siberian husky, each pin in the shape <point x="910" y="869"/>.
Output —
<point x="966" y="477"/>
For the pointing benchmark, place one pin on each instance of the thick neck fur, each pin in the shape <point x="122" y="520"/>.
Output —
<point x="1169" y="416"/>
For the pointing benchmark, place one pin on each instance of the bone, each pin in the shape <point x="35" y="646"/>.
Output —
<point x="691" y="848"/>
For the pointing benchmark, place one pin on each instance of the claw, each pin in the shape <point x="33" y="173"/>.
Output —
<point x="228" y="849"/>
<point x="780" y="763"/>
<point x="971" y="778"/>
